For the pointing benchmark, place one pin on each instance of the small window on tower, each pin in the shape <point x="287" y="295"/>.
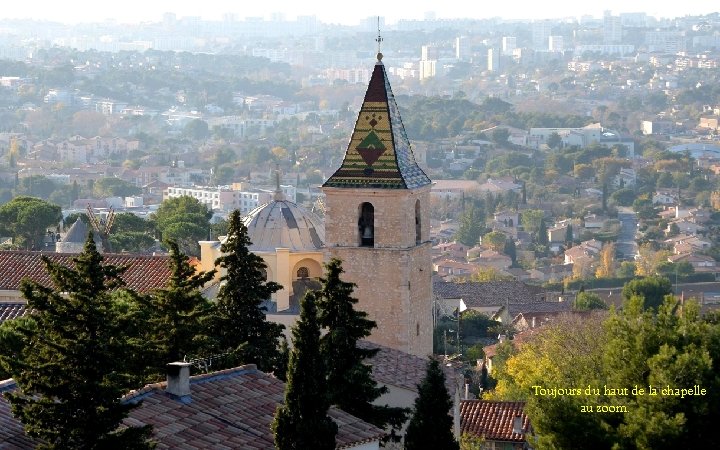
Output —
<point x="366" y="225"/>
<point x="418" y="227"/>
<point x="417" y="329"/>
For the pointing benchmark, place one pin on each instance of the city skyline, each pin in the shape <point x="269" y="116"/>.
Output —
<point x="134" y="11"/>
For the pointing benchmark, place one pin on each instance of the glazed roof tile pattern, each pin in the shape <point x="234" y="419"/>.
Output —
<point x="379" y="154"/>
<point x="489" y="293"/>
<point x="283" y="224"/>
<point x="229" y="409"/>
<point x="144" y="273"/>
<point x="493" y="420"/>
<point x="9" y="311"/>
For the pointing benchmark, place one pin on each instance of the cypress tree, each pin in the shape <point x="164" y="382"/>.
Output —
<point x="542" y="236"/>
<point x="72" y="376"/>
<point x="302" y="422"/>
<point x="179" y="313"/>
<point x="431" y="424"/>
<point x="240" y="324"/>
<point x="350" y="383"/>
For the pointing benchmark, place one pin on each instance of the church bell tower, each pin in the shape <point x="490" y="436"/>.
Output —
<point x="377" y="223"/>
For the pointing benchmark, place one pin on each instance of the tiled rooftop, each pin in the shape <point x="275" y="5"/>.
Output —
<point x="144" y="273"/>
<point x="12" y="436"/>
<point x="10" y="311"/>
<point x="396" y="368"/>
<point x="538" y="307"/>
<point x="229" y="409"/>
<point x="493" y="420"/>
<point x="489" y="293"/>
<point x="379" y="154"/>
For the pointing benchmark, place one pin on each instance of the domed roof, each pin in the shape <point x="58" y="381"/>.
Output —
<point x="283" y="224"/>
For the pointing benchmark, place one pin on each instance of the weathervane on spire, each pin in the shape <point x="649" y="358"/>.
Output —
<point x="379" y="39"/>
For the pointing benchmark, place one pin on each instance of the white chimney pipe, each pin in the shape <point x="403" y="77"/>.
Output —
<point x="178" y="380"/>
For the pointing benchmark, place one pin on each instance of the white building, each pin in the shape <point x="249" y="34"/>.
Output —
<point x="493" y="62"/>
<point x="541" y="31"/>
<point x="612" y="29"/>
<point x="670" y="42"/>
<point x="509" y="44"/>
<point x="555" y="44"/>
<point x="229" y="198"/>
<point x="581" y="137"/>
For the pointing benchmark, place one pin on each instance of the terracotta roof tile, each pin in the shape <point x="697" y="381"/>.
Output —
<point x="12" y="436"/>
<point x="144" y="273"/>
<point x="493" y="420"/>
<point x="489" y="293"/>
<point x="396" y="368"/>
<point x="10" y="311"/>
<point x="230" y="409"/>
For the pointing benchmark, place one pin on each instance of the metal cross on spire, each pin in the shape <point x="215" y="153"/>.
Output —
<point x="379" y="39"/>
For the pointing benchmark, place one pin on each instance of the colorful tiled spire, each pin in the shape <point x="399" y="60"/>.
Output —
<point x="379" y="153"/>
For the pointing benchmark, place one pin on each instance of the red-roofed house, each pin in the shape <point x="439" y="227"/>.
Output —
<point x="229" y="409"/>
<point x="143" y="274"/>
<point x="502" y="425"/>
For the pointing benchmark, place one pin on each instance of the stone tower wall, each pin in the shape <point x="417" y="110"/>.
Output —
<point x="394" y="277"/>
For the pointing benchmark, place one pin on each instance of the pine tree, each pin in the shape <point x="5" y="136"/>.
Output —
<point x="431" y="425"/>
<point x="240" y="323"/>
<point x="302" y="422"/>
<point x="72" y="376"/>
<point x="350" y="383"/>
<point x="179" y="314"/>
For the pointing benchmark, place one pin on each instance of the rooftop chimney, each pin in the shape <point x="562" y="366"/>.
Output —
<point x="178" y="381"/>
<point x="517" y="425"/>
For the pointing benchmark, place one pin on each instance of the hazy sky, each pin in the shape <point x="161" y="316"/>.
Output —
<point x="338" y="11"/>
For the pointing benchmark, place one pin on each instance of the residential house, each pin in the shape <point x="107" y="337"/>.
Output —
<point x="452" y="249"/>
<point x="517" y="342"/>
<point x="625" y="178"/>
<point x="522" y="316"/>
<point x="582" y="137"/>
<point x="500" y="185"/>
<point x="700" y="215"/>
<point x="588" y="249"/>
<point x="594" y="221"/>
<point x="231" y="408"/>
<point x="401" y="373"/>
<point x="486" y="297"/>
<point x="684" y="243"/>
<point x="143" y="274"/>
<point x="518" y="273"/>
<point x="553" y="273"/>
<point x="557" y="234"/>
<point x="685" y="227"/>
<point x="501" y="425"/>
<point x="452" y="188"/>
<point x="701" y="263"/>
<point x="494" y="259"/>
<point x="451" y="269"/>
<point x="71" y="153"/>
<point x="665" y="197"/>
